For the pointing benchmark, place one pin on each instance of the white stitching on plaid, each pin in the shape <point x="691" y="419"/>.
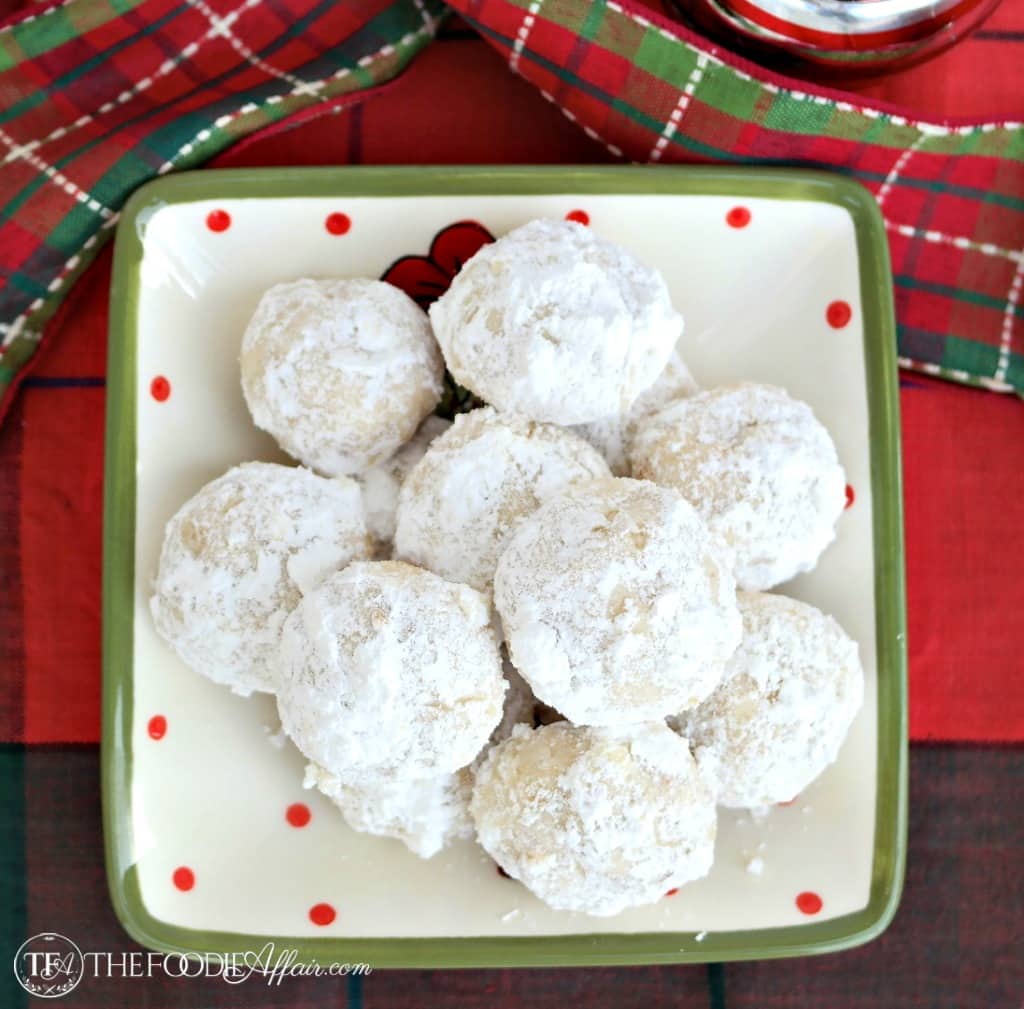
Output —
<point x="203" y="135"/>
<point x="593" y="134"/>
<point x="24" y="332"/>
<point x="34" y="17"/>
<point x="139" y="87"/>
<point x="1012" y="300"/>
<point x="958" y="241"/>
<point x="524" y="30"/>
<point x="935" y="128"/>
<point x="428" y="19"/>
<point x="898" y="165"/>
<point x="957" y="374"/>
<point x="692" y="83"/>
<point x="17" y="327"/>
<point x="56" y="177"/>
<point x="222" y="26"/>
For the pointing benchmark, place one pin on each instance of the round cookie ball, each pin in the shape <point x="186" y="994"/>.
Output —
<point x="425" y="814"/>
<point x="613" y="436"/>
<point x="388" y="668"/>
<point x="381" y="483"/>
<point x="595" y="819"/>
<point x="759" y="467"/>
<point x="617" y="603"/>
<point x="556" y="323"/>
<point x="340" y="372"/>
<point x="784" y="707"/>
<point x="476" y="483"/>
<point x="236" y="559"/>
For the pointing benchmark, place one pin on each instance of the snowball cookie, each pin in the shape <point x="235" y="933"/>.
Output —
<point x="340" y="372"/>
<point x="784" y="707"/>
<point x="557" y="323"/>
<point x="236" y="559"/>
<point x="388" y="668"/>
<point x="759" y="467"/>
<point x="425" y="814"/>
<point x="477" y="482"/>
<point x="613" y="436"/>
<point x="381" y="483"/>
<point x="617" y="604"/>
<point x="595" y="819"/>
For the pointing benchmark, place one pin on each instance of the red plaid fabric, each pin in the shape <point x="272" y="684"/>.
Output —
<point x="952" y="193"/>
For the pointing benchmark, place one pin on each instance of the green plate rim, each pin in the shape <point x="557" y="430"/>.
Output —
<point x="475" y="951"/>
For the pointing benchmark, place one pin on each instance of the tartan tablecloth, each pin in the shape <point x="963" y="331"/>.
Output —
<point x="955" y="941"/>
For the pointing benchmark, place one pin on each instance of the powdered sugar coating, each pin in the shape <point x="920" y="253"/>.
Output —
<point x="760" y="468"/>
<point x="425" y="814"/>
<point x="389" y="668"/>
<point x="617" y="604"/>
<point x="340" y="372"/>
<point x="786" y="703"/>
<point x="236" y="558"/>
<point x="381" y="483"/>
<point x="595" y="819"/>
<point x="613" y="436"/>
<point x="476" y="483"/>
<point x="556" y="323"/>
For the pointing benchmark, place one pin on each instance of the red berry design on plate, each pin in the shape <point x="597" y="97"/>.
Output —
<point x="579" y="216"/>
<point x="850" y="497"/>
<point x="426" y="278"/>
<point x="838" y="314"/>
<point x="322" y="914"/>
<point x="157" y="727"/>
<point x="808" y="902"/>
<point x="672" y="892"/>
<point x="218" y="220"/>
<point x="184" y="878"/>
<point x="338" y="224"/>
<point x="738" y="217"/>
<point x="298" y="814"/>
<point x="160" y="389"/>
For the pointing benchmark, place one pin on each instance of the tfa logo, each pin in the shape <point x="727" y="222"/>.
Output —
<point x="48" y="965"/>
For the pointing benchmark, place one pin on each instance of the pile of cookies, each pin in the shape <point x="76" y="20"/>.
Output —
<point x="545" y="625"/>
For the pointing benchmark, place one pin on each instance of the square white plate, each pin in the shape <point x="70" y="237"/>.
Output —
<point x="210" y="794"/>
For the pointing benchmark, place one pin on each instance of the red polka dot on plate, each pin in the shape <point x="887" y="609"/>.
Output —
<point x="579" y="216"/>
<point x="322" y="914"/>
<point x="157" y="727"/>
<point x="338" y="224"/>
<point x="184" y="878"/>
<point x="738" y="217"/>
<point x="838" y="314"/>
<point x="160" y="389"/>
<point x="672" y="892"/>
<point x="298" y="814"/>
<point x="850" y="496"/>
<point x="218" y="220"/>
<point x="808" y="902"/>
